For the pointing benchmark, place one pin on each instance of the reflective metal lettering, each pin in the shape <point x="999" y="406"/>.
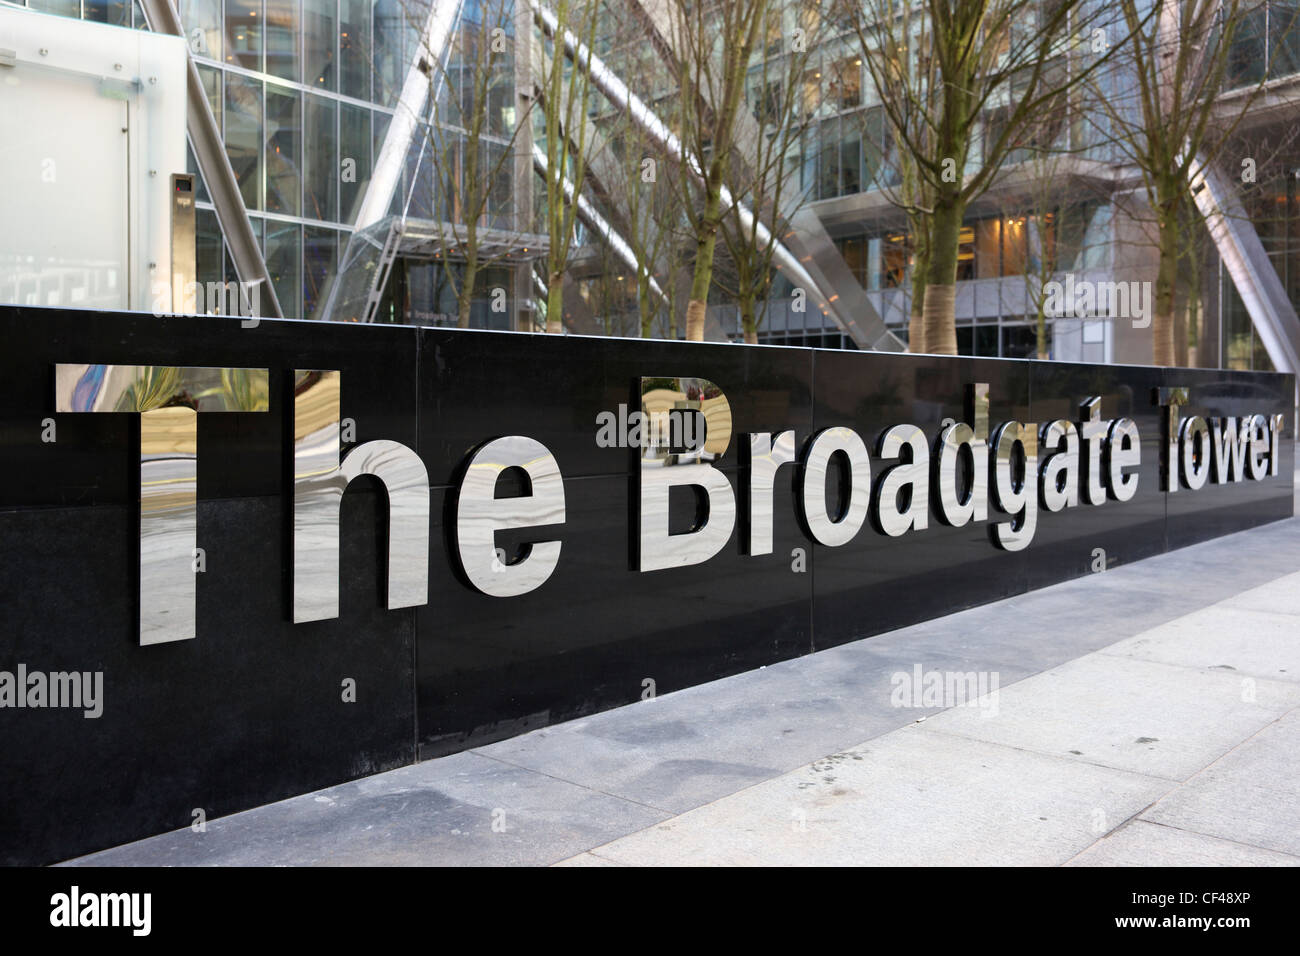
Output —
<point x="954" y="508"/>
<point x="168" y="400"/>
<point x="902" y="493"/>
<point x="766" y="455"/>
<point x="662" y="468"/>
<point x="825" y="529"/>
<point x="480" y="514"/>
<point x="319" y="480"/>
<point x="1059" y="481"/>
<point x="1015" y="489"/>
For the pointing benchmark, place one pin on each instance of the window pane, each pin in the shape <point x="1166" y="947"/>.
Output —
<point x="1247" y="56"/>
<point x="202" y="20"/>
<point x="320" y="160"/>
<point x="116" y="12"/>
<point x="320" y="254"/>
<point x="851" y="160"/>
<point x="1013" y="246"/>
<point x="283" y="134"/>
<point x="64" y="8"/>
<point x="282" y="38"/>
<point x="321" y="40"/>
<point x="988" y="235"/>
<point x="244" y="33"/>
<point x="244" y="135"/>
<point x="284" y="262"/>
<point x="208" y="259"/>
<point x="1283" y="39"/>
<point x="354" y="48"/>
<point x="388" y="51"/>
<point x="846" y="82"/>
<point x="354" y="159"/>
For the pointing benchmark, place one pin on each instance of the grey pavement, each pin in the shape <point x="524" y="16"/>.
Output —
<point x="1148" y="714"/>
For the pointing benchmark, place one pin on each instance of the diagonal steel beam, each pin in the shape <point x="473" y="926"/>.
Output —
<point x="218" y="175"/>
<point x="609" y="83"/>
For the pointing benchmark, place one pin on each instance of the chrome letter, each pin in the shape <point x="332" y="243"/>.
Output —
<point x="319" y="480"/>
<point x="167" y="398"/>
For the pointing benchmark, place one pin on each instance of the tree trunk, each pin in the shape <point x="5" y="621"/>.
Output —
<point x="748" y="322"/>
<point x="703" y="275"/>
<point x="916" y="307"/>
<point x="466" y="286"/>
<point x="554" y="303"/>
<point x="1162" y="322"/>
<point x="646" y="309"/>
<point x="695" y="321"/>
<point x="939" y="311"/>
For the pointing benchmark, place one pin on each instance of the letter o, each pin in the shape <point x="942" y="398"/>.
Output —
<point x="812" y="495"/>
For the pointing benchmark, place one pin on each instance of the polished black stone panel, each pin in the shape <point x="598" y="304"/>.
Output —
<point x="877" y="583"/>
<point x="1221" y="509"/>
<point x="593" y="635"/>
<point x="253" y="709"/>
<point x="248" y="712"/>
<point x="477" y="386"/>
<point x="1088" y="538"/>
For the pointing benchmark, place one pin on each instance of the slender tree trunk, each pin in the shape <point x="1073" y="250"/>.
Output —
<point x="916" y="307"/>
<point x="748" y="320"/>
<point x="1162" y="323"/>
<point x="467" y="283"/>
<point x="703" y="276"/>
<point x="554" y="303"/>
<point x="939" y="310"/>
<point x="645" y="306"/>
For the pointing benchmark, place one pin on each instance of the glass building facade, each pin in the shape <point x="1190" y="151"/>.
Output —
<point x="303" y="92"/>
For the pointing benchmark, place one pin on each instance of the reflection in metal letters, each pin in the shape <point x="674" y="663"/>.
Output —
<point x="1059" y="480"/>
<point x="1170" y="400"/>
<point x="1092" y="434"/>
<point x="1257" y="427"/>
<point x="829" y="531"/>
<point x="480" y="514"/>
<point x="167" y="399"/>
<point x="766" y="455"/>
<point x="1194" y="434"/>
<point x="1015" y="490"/>
<point x="907" y="482"/>
<point x="662" y="468"/>
<point x="1123" y="450"/>
<point x="971" y="434"/>
<point x="319" y="480"/>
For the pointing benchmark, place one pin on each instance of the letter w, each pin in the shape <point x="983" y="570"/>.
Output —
<point x="1228" y="449"/>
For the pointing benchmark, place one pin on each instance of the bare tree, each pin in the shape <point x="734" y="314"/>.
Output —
<point x="713" y="42"/>
<point x="472" y="132"/>
<point x="764" y="173"/>
<point x="566" y="98"/>
<point x="992" y="67"/>
<point x="1172" y="124"/>
<point x="895" y="43"/>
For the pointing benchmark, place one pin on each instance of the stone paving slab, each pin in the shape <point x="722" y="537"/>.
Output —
<point x="910" y="797"/>
<point x="1251" y="795"/>
<point x="1141" y="843"/>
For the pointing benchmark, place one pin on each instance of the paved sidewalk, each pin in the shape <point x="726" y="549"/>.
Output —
<point x="1146" y="715"/>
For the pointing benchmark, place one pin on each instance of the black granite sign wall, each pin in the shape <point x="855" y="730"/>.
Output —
<point x="256" y="708"/>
